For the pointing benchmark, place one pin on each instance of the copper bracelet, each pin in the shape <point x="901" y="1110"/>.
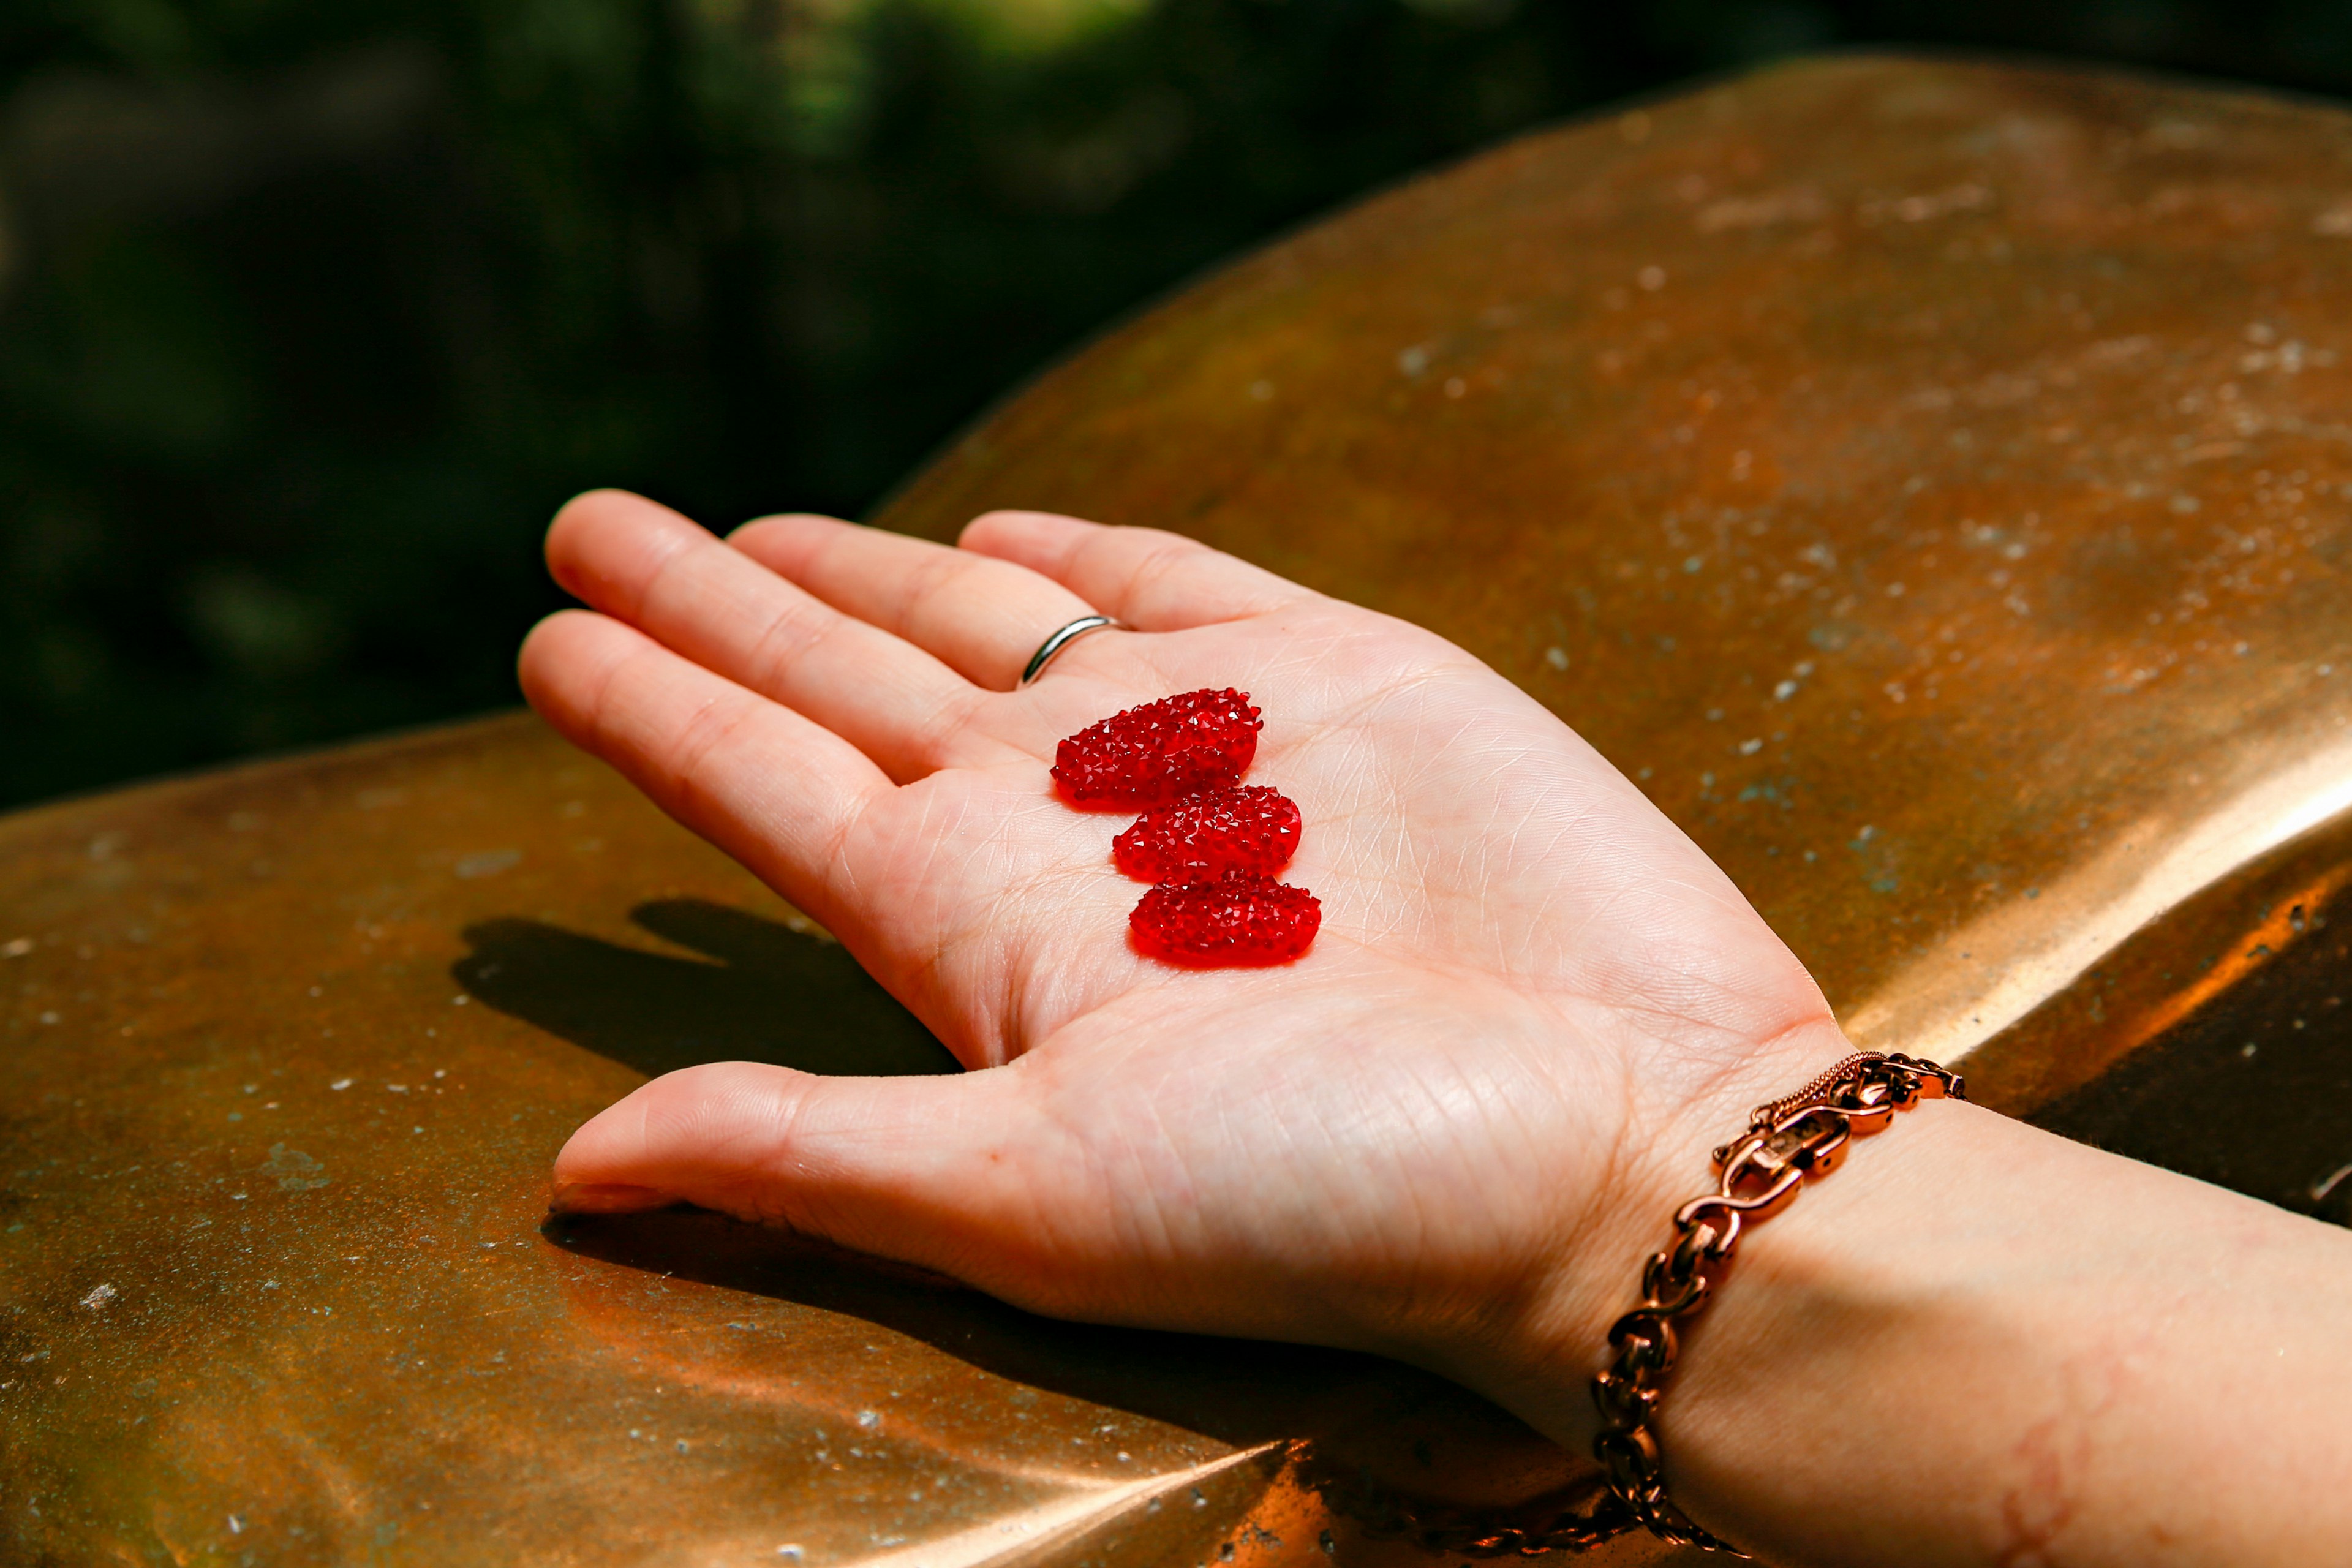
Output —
<point x="1757" y="1175"/>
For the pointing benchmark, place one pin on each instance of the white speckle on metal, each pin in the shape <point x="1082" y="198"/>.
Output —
<point x="487" y="862"/>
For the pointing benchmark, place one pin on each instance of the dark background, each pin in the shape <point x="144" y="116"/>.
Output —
<point x="312" y="312"/>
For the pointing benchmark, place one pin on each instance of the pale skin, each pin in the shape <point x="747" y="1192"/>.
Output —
<point x="1450" y="1133"/>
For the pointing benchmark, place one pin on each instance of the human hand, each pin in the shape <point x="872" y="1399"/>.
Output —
<point x="1446" y="1133"/>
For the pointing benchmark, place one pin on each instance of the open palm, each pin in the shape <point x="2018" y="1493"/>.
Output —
<point x="1530" y="989"/>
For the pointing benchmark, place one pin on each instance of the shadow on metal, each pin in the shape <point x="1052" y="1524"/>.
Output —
<point x="756" y="991"/>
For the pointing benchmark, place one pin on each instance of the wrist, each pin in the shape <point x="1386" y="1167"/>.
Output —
<point x="1841" y="1294"/>
<point x="1540" y="1361"/>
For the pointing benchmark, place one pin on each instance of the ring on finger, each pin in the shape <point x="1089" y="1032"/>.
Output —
<point x="1061" y="638"/>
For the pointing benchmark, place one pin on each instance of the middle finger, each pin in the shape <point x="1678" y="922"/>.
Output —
<point x="981" y="615"/>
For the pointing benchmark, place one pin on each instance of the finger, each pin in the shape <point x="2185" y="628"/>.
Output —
<point x="646" y="564"/>
<point x="984" y="617"/>
<point x="774" y="790"/>
<point x="931" y="1171"/>
<point x="1153" y="581"/>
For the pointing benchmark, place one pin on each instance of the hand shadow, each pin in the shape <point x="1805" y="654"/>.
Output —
<point x="772" y="994"/>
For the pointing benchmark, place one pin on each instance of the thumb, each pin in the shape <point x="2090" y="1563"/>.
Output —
<point x="934" y="1171"/>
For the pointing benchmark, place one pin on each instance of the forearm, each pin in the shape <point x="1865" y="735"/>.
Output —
<point x="1981" y="1343"/>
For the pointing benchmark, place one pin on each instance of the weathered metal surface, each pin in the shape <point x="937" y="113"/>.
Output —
<point x="1927" y="481"/>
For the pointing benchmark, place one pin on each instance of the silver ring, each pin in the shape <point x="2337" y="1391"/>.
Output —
<point x="1064" y="639"/>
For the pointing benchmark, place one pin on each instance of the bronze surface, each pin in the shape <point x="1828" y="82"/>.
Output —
<point x="1928" y="480"/>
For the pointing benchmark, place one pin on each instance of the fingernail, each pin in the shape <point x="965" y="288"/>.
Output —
<point x="602" y="1197"/>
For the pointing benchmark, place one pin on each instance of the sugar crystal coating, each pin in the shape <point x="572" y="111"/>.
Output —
<point x="1200" y="838"/>
<point x="1161" y="751"/>
<point x="1239" y="920"/>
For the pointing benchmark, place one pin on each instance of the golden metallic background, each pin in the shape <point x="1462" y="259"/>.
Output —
<point x="1932" y="482"/>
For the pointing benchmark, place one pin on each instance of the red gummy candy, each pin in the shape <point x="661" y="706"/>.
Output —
<point x="1162" y="751"/>
<point x="1238" y="920"/>
<point x="1201" y="838"/>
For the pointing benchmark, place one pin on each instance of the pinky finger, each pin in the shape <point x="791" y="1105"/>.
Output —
<point x="1153" y="581"/>
<point x="777" y="791"/>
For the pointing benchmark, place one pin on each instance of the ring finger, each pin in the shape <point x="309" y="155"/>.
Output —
<point x="982" y="616"/>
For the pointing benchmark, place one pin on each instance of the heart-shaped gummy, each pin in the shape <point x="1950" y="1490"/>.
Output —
<point x="1161" y="751"/>
<point x="1248" y="828"/>
<point x="1238" y="920"/>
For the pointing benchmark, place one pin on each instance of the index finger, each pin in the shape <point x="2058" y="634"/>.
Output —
<point x="775" y="790"/>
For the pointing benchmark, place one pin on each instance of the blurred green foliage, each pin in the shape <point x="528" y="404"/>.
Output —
<point x="311" y="315"/>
